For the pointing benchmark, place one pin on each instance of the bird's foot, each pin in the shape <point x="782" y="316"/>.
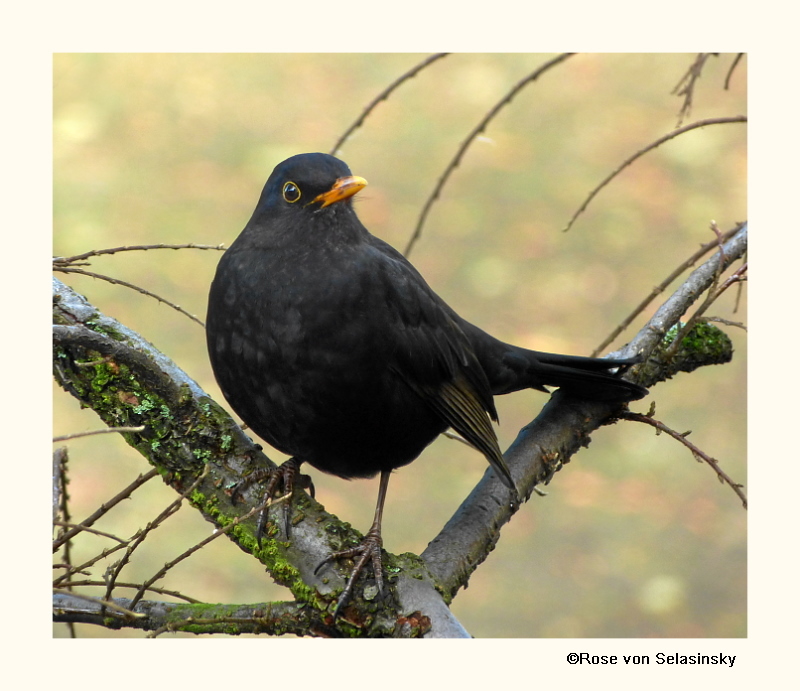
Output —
<point x="369" y="550"/>
<point x="280" y="481"/>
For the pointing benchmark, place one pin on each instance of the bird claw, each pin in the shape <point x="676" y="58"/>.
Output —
<point x="368" y="550"/>
<point x="280" y="481"/>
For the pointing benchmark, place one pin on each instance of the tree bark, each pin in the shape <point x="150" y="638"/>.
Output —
<point x="201" y="452"/>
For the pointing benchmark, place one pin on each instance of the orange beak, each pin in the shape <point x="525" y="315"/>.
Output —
<point x="342" y="189"/>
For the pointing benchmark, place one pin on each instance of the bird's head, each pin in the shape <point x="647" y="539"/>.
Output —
<point x="309" y="183"/>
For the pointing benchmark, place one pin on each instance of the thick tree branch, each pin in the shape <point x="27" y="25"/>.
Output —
<point x="700" y="280"/>
<point x="274" y="618"/>
<point x="161" y="617"/>
<point x="564" y="426"/>
<point x="129" y="383"/>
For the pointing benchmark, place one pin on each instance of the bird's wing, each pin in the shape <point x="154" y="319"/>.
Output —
<point x="433" y="356"/>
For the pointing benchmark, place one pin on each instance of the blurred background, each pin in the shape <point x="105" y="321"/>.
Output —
<point x="635" y="538"/>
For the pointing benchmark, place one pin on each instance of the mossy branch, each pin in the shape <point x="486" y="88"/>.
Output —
<point x="161" y="617"/>
<point x="130" y="384"/>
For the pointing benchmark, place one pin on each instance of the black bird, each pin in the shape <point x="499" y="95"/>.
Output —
<point x="332" y="347"/>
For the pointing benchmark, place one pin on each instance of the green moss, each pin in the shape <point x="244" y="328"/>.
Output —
<point x="704" y="344"/>
<point x="708" y="338"/>
<point x="145" y="406"/>
<point x="200" y="500"/>
<point x="271" y="553"/>
<point x="105" y="328"/>
<point x="117" y="395"/>
<point x="102" y="376"/>
<point x="179" y="441"/>
<point x="95" y="326"/>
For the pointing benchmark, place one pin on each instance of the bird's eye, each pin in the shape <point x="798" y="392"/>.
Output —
<point x="291" y="192"/>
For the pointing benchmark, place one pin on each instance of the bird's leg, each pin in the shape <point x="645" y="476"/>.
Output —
<point x="368" y="550"/>
<point x="280" y="480"/>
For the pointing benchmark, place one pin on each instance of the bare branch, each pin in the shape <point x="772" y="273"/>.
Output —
<point x="558" y="432"/>
<point x="737" y="277"/>
<point x="687" y="294"/>
<point x="161" y="617"/>
<point x="699" y="454"/>
<point x="642" y="152"/>
<point x="107" y="430"/>
<point x="83" y="528"/>
<point x="114" y="571"/>
<point x="685" y="86"/>
<point x="105" y="507"/>
<point x="138" y="289"/>
<point x="115" y="607"/>
<point x="382" y="96"/>
<point x="152" y="589"/>
<point x="734" y="64"/>
<point x="660" y="288"/>
<point x="61" y="262"/>
<point x="480" y="127"/>
<point x="173" y="562"/>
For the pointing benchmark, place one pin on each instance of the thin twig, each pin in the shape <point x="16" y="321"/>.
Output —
<point x="133" y="248"/>
<point x="642" y="152"/>
<point x="82" y="568"/>
<point x="382" y="96"/>
<point x="688" y="82"/>
<point x="727" y="322"/>
<point x="150" y="527"/>
<point x="60" y="481"/>
<point x="217" y="533"/>
<point x="92" y="363"/>
<point x="660" y="288"/>
<point x="61" y="507"/>
<point x="480" y="127"/>
<point x="117" y="281"/>
<point x="730" y="71"/>
<point x="699" y="454"/>
<point x="152" y="589"/>
<point x="697" y="283"/>
<point x="690" y="323"/>
<point x="105" y="507"/>
<point x="83" y="528"/>
<point x="736" y="277"/>
<point x="107" y="430"/>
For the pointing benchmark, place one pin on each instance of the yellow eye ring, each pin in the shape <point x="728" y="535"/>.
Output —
<point x="291" y="192"/>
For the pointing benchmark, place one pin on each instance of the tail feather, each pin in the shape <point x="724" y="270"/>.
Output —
<point x="581" y="362"/>
<point x="511" y="368"/>
<point x="585" y="377"/>
<point x="590" y="381"/>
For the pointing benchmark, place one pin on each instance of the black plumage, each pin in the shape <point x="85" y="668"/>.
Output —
<point x="332" y="348"/>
